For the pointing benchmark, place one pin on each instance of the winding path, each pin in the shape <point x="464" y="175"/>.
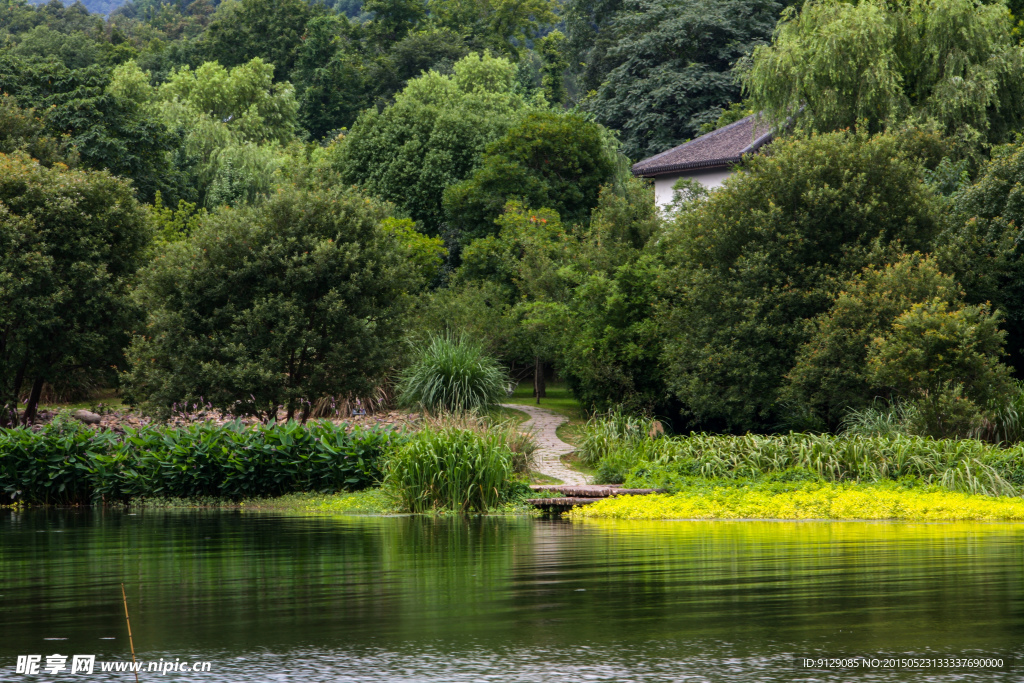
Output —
<point x="547" y="457"/>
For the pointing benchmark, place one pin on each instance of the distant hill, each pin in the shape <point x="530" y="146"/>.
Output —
<point x="104" y="7"/>
<point x="350" y="7"/>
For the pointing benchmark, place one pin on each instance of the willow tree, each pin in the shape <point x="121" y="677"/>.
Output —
<point x="951" y="63"/>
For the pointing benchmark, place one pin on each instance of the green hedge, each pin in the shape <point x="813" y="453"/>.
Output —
<point x="68" y="464"/>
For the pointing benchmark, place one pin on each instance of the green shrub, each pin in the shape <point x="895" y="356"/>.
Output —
<point x="452" y="374"/>
<point x="283" y="303"/>
<point x="963" y="465"/>
<point x="72" y="464"/>
<point x="454" y="469"/>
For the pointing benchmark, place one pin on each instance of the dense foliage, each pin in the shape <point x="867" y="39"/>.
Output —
<point x="548" y="160"/>
<point x="748" y="267"/>
<point x="953" y="62"/>
<point x="432" y="136"/>
<point x="330" y="184"/>
<point x="454" y="469"/>
<point x="70" y="464"/>
<point x="70" y="242"/>
<point x="273" y="306"/>
<point x="670" y="66"/>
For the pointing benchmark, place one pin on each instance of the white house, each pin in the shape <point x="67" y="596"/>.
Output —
<point x="709" y="159"/>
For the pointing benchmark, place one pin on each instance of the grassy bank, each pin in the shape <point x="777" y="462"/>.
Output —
<point x="806" y="500"/>
<point x="631" y="451"/>
<point x="375" y="501"/>
<point x="462" y="464"/>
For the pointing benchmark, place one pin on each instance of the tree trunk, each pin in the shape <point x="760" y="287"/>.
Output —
<point x="33" y="401"/>
<point x="19" y="377"/>
<point x="538" y="379"/>
<point x="10" y="413"/>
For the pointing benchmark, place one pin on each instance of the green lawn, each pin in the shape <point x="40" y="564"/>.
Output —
<point x="111" y="402"/>
<point x="500" y="414"/>
<point x="558" y="400"/>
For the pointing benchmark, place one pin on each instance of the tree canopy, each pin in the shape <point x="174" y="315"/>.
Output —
<point x="432" y="136"/>
<point x="550" y="160"/>
<point x="248" y="313"/>
<point x="670" y="67"/>
<point x="836" y="64"/>
<point x="751" y="264"/>
<point x="70" y="242"/>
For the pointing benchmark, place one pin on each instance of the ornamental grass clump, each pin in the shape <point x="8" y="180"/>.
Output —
<point x="452" y="374"/>
<point x="452" y="469"/>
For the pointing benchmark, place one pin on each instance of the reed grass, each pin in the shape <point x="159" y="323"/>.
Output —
<point x="881" y="418"/>
<point x="966" y="465"/>
<point x="521" y="444"/>
<point x="451" y="469"/>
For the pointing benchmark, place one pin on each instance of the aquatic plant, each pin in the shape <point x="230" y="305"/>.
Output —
<point x="807" y="500"/>
<point x="964" y="465"/>
<point x="454" y="469"/>
<point x="69" y="463"/>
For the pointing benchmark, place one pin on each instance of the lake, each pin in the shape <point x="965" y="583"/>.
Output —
<point x="266" y="597"/>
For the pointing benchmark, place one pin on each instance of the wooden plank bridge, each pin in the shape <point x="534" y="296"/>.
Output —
<point x="580" y="494"/>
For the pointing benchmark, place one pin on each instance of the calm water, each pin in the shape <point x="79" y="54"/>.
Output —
<point x="273" y="598"/>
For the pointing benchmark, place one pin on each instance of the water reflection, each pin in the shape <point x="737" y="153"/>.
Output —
<point x="268" y="597"/>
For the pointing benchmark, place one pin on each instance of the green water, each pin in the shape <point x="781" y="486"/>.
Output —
<point x="276" y="598"/>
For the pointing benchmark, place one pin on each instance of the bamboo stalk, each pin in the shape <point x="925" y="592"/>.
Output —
<point x="130" y="642"/>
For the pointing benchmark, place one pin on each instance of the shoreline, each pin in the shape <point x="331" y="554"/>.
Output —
<point x="815" y="502"/>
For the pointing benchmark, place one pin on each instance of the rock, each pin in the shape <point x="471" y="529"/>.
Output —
<point x="86" y="416"/>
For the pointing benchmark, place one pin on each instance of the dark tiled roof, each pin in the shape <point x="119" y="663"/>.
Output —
<point x="722" y="147"/>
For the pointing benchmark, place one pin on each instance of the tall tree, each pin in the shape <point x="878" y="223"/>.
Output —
<point x="837" y="64"/>
<point x="70" y="242"/>
<point x="432" y="136"/>
<point x="105" y="129"/>
<point x="752" y="263"/>
<point x="242" y="30"/>
<point x="983" y="243"/>
<point x="673" y="62"/>
<point x="546" y="160"/>
<point x="274" y="305"/>
<point x="506" y="27"/>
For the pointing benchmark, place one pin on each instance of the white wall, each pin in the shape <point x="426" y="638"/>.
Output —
<point x="709" y="179"/>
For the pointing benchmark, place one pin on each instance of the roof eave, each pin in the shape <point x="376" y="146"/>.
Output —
<point x="688" y="166"/>
<point x="654" y="171"/>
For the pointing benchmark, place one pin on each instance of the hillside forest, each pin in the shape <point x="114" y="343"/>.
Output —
<point x="263" y="205"/>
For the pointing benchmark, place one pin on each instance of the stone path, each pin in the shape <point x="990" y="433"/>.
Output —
<point x="546" y="459"/>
